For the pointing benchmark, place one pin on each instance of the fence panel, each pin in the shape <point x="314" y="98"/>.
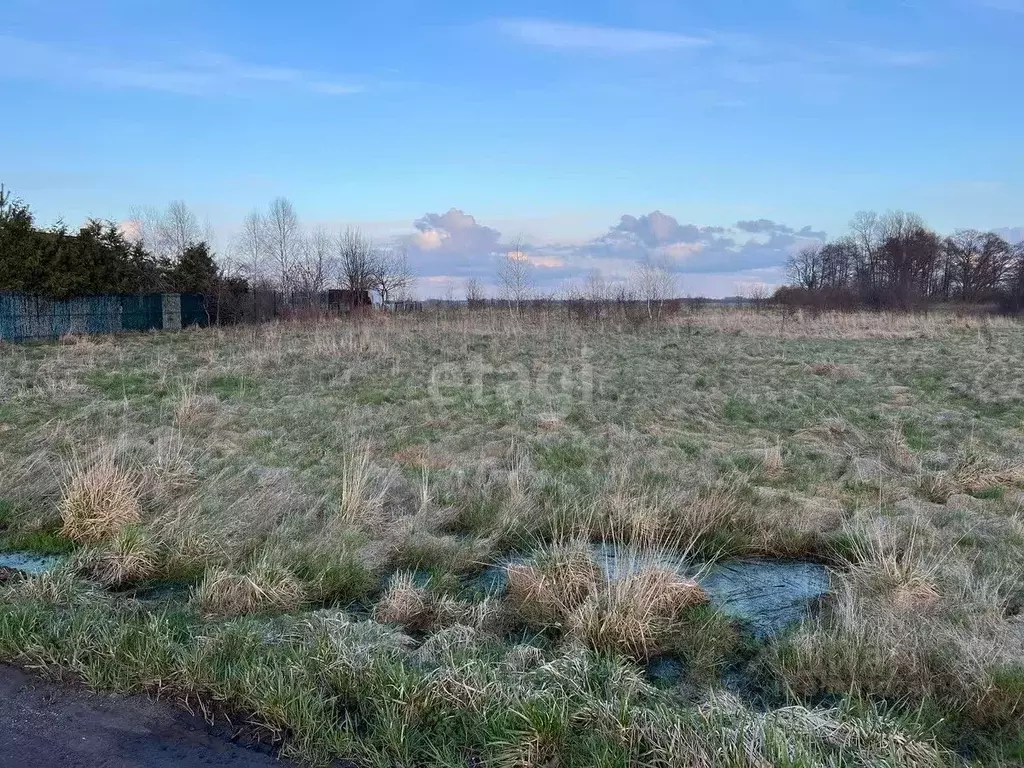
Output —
<point x="25" y="318"/>
<point x="193" y="310"/>
<point x="142" y="313"/>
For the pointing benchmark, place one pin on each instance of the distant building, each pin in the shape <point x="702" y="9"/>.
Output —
<point x="342" y="300"/>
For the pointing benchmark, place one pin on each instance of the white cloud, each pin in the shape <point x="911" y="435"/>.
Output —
<point x="430" y="240"/>
<point x="196" y="74"/>
<point x="711" y="261"/>
<point x="613" y="40"/>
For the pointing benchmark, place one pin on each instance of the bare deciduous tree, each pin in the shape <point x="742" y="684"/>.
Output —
<point x="180" y="229"/>
<point x="474" y="292"/>
<point x="283" y="238"/>
<point x="977" y="263"/>
<point x="250" y="244"/>
<point x="515" y="276"/>
<point x="392" y="277"/>
<point x="356" y="261"/>
<point x="757" y="293"/>
<point x="167" y="234"/>
<point x="315" y="265"/>
<point x="655" y="282"/>
<point x="596" y="288"/>
<point x="803" y="268"/>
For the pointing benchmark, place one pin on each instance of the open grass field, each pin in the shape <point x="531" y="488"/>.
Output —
<point x="288" y="525"/>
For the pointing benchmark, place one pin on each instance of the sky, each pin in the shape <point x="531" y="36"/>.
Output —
<point x="715" y="135"/>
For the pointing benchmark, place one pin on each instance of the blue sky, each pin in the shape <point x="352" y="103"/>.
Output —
<point x="549" y="121"/>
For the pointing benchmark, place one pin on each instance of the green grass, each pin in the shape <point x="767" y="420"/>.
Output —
<point x="47" y="542"/>
<point x="247" y="448"/>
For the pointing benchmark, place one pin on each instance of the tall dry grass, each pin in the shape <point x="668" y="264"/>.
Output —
<point x="99" y="500"/>
<point x="262" y="587"/>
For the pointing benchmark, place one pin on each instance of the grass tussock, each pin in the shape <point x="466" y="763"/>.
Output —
<point x="99" y="500"/>
<point x="637" y="613"/>
<point x="903" y="624"/>
<point x="545" y="591"/>
<point x="835" y="371"/>
<point x="632" y="607"/>
<point x="361" y="493"/>
<point x="406" y="604"/>
<point x="264" y="587"/>
<point x="419" y="609"/>
<point x="772" y="464"/>
<point x="128" y="558"/>
<point x="58" y="587"/>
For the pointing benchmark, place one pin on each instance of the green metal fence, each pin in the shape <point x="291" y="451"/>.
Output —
<point x="24" y="317"/>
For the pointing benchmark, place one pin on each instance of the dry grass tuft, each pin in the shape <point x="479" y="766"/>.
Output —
<point x="99" y="501"/>
<point x="916" y="596"/>
<point x="971" y="473"/>
<point x="361" y="496"/>
<point x="835" y="371"/>
<point x="264" y="587"/>
<point x="772" y="462"/>
<point x="171" y="471"/>
<point x="636" y="613"/>
<point x="897" y="452"/>
<point x="129" y="558"/>
<point x="194" y="409"/>
<point x="974" y="473"/>
<point x="545" y="591"/>
<point x="632" y="607"/>
<point x="888" y="563"/>
<point x="406" y="604"/>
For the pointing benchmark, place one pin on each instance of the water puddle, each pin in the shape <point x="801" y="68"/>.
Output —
<point x="29" y="562"/>
<point x="766" y="596"/>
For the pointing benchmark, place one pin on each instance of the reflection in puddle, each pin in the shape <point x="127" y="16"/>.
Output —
<point x="28" y="562"/>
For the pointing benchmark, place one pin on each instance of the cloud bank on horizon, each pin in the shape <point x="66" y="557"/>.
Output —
<point x="447" y="249"/>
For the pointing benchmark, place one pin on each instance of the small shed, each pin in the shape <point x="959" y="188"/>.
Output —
<point x="342" y="300"/>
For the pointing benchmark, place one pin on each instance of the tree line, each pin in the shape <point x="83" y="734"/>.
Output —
<point x="99" y="257"/>
<point x="895" y="260"/>
<point x="273" y="250"/>
<point x="890" y="260"/>
<point x="157" y="251"/>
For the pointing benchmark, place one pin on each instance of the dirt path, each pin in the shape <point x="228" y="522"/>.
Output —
<point x="44" y="725"/>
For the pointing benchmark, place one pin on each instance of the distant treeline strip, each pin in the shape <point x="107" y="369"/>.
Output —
<point x="896" y="261"/>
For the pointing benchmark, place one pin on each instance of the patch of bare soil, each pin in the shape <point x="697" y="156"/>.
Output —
<point x="49" y="725"/>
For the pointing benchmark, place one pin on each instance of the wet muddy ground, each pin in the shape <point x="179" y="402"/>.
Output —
<point x="54" y="725"/>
